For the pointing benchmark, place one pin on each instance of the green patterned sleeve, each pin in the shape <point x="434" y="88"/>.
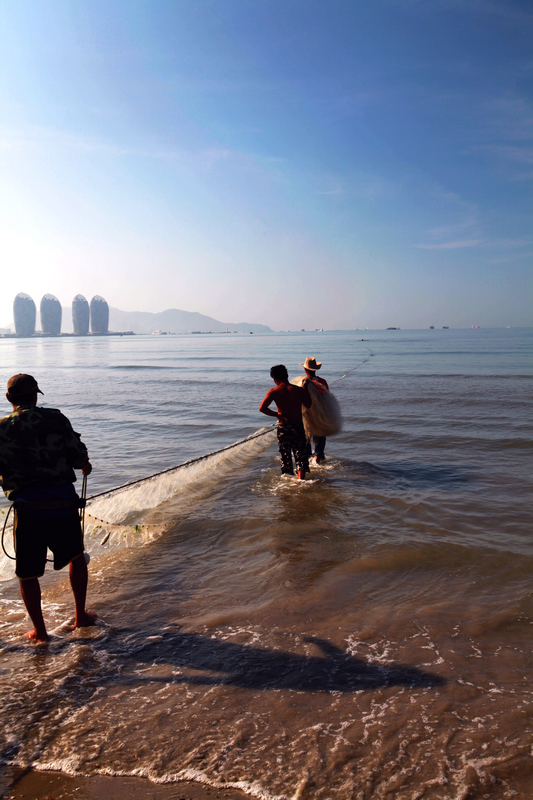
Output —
<point x="77" y="454"/>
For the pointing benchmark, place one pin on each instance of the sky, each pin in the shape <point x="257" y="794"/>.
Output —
<point x="300" y="164"/>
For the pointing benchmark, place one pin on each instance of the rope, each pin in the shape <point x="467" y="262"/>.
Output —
<point x="82" y="507"/>
<point x="4" y="532"/>
<point x="353" y="368"/>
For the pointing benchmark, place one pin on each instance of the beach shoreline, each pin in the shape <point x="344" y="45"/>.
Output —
<point x="38" y="785"/>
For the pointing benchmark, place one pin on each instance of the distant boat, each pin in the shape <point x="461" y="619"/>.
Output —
<point x="474" y="327"/>
<point x="445" y="327"/>
<point x="391" y="329"/>
<point x="159" y="333"/>
<point x="431" y="327"/>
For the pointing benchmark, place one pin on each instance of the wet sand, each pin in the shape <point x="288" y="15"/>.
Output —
<point x="58" y="786"/>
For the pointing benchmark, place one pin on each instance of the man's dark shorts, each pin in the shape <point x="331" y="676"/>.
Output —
<point x="291" y="439"/>
<point x="37" y="530"/>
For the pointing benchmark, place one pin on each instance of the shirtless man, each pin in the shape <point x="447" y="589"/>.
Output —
<point x="38" y="454"/>
<point x="291" y="434"/>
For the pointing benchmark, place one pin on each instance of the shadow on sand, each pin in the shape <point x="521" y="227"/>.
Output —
<point x="232" y="664"/>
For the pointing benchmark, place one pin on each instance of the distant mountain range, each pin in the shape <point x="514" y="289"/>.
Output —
<point x="175" y="321"/>
<point x="170" y="321"/>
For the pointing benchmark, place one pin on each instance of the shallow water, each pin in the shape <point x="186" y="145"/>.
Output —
<point x="365" y="634"/>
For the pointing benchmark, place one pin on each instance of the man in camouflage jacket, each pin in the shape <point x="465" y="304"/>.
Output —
<point x="39" y="452"/>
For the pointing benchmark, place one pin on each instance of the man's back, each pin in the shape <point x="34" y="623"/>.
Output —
<point x="289" y="400"/>
<point x="38" y="447"/>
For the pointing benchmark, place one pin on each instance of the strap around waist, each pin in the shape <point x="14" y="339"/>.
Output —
<point x="48" y="505"/>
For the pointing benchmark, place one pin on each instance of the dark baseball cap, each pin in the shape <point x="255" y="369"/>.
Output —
<point x="20" y="385"/>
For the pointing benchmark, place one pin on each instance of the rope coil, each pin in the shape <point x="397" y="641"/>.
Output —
<point x="4" y="531"/>
<point x="80" y="505"/>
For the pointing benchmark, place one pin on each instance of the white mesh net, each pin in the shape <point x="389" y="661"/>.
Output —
<point x="125" y="504"/>
<point x="137" y="513"/>
<point x="324" y="417"/>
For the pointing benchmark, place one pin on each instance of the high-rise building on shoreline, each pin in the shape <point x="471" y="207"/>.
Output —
<point x="84" y="315"/>
<point x="99" y="315"/>
<point x="24" y="313"/>
<point x="80" y="315"/>
<point x="50" y="315"/>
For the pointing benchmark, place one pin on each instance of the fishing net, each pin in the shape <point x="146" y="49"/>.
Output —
<point x="125" y="504"/>
<point x="324" y="417"/>
<point x="139" y="512"/>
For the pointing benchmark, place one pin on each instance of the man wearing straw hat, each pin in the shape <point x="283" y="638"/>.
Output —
<point x="310" y="366"/>
<point x="38" y="454"/>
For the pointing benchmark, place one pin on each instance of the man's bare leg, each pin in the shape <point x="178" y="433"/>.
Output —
<point x="79" y="578"/>
<point x="30" y="590"/>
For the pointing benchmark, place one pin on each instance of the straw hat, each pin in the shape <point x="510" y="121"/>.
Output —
<point x="311" y="364"/>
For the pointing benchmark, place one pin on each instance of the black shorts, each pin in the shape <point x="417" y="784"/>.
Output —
<point x="291" y="439"/>
<point x="34" y="535"/>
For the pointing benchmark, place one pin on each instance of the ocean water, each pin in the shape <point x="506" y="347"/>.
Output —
<point x="364" y="634"/>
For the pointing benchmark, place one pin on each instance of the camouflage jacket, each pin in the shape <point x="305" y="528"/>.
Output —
<point x="38" y="447"/>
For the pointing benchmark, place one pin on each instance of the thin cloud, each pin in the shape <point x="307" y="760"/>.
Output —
<point x="333" y="191"/>
<point x="450" y="245"/>
<point x="511" y="115"/>
<point x="327" y="185"/>
<point x="509" y="259"/>
<point x="511" y="244"/>
<point x="465" y="232"/>
<point x="36" y="137"/>
<point x="499" y="244"/>
<point x="520" y="155"/>
<point x="505" y="134"/>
